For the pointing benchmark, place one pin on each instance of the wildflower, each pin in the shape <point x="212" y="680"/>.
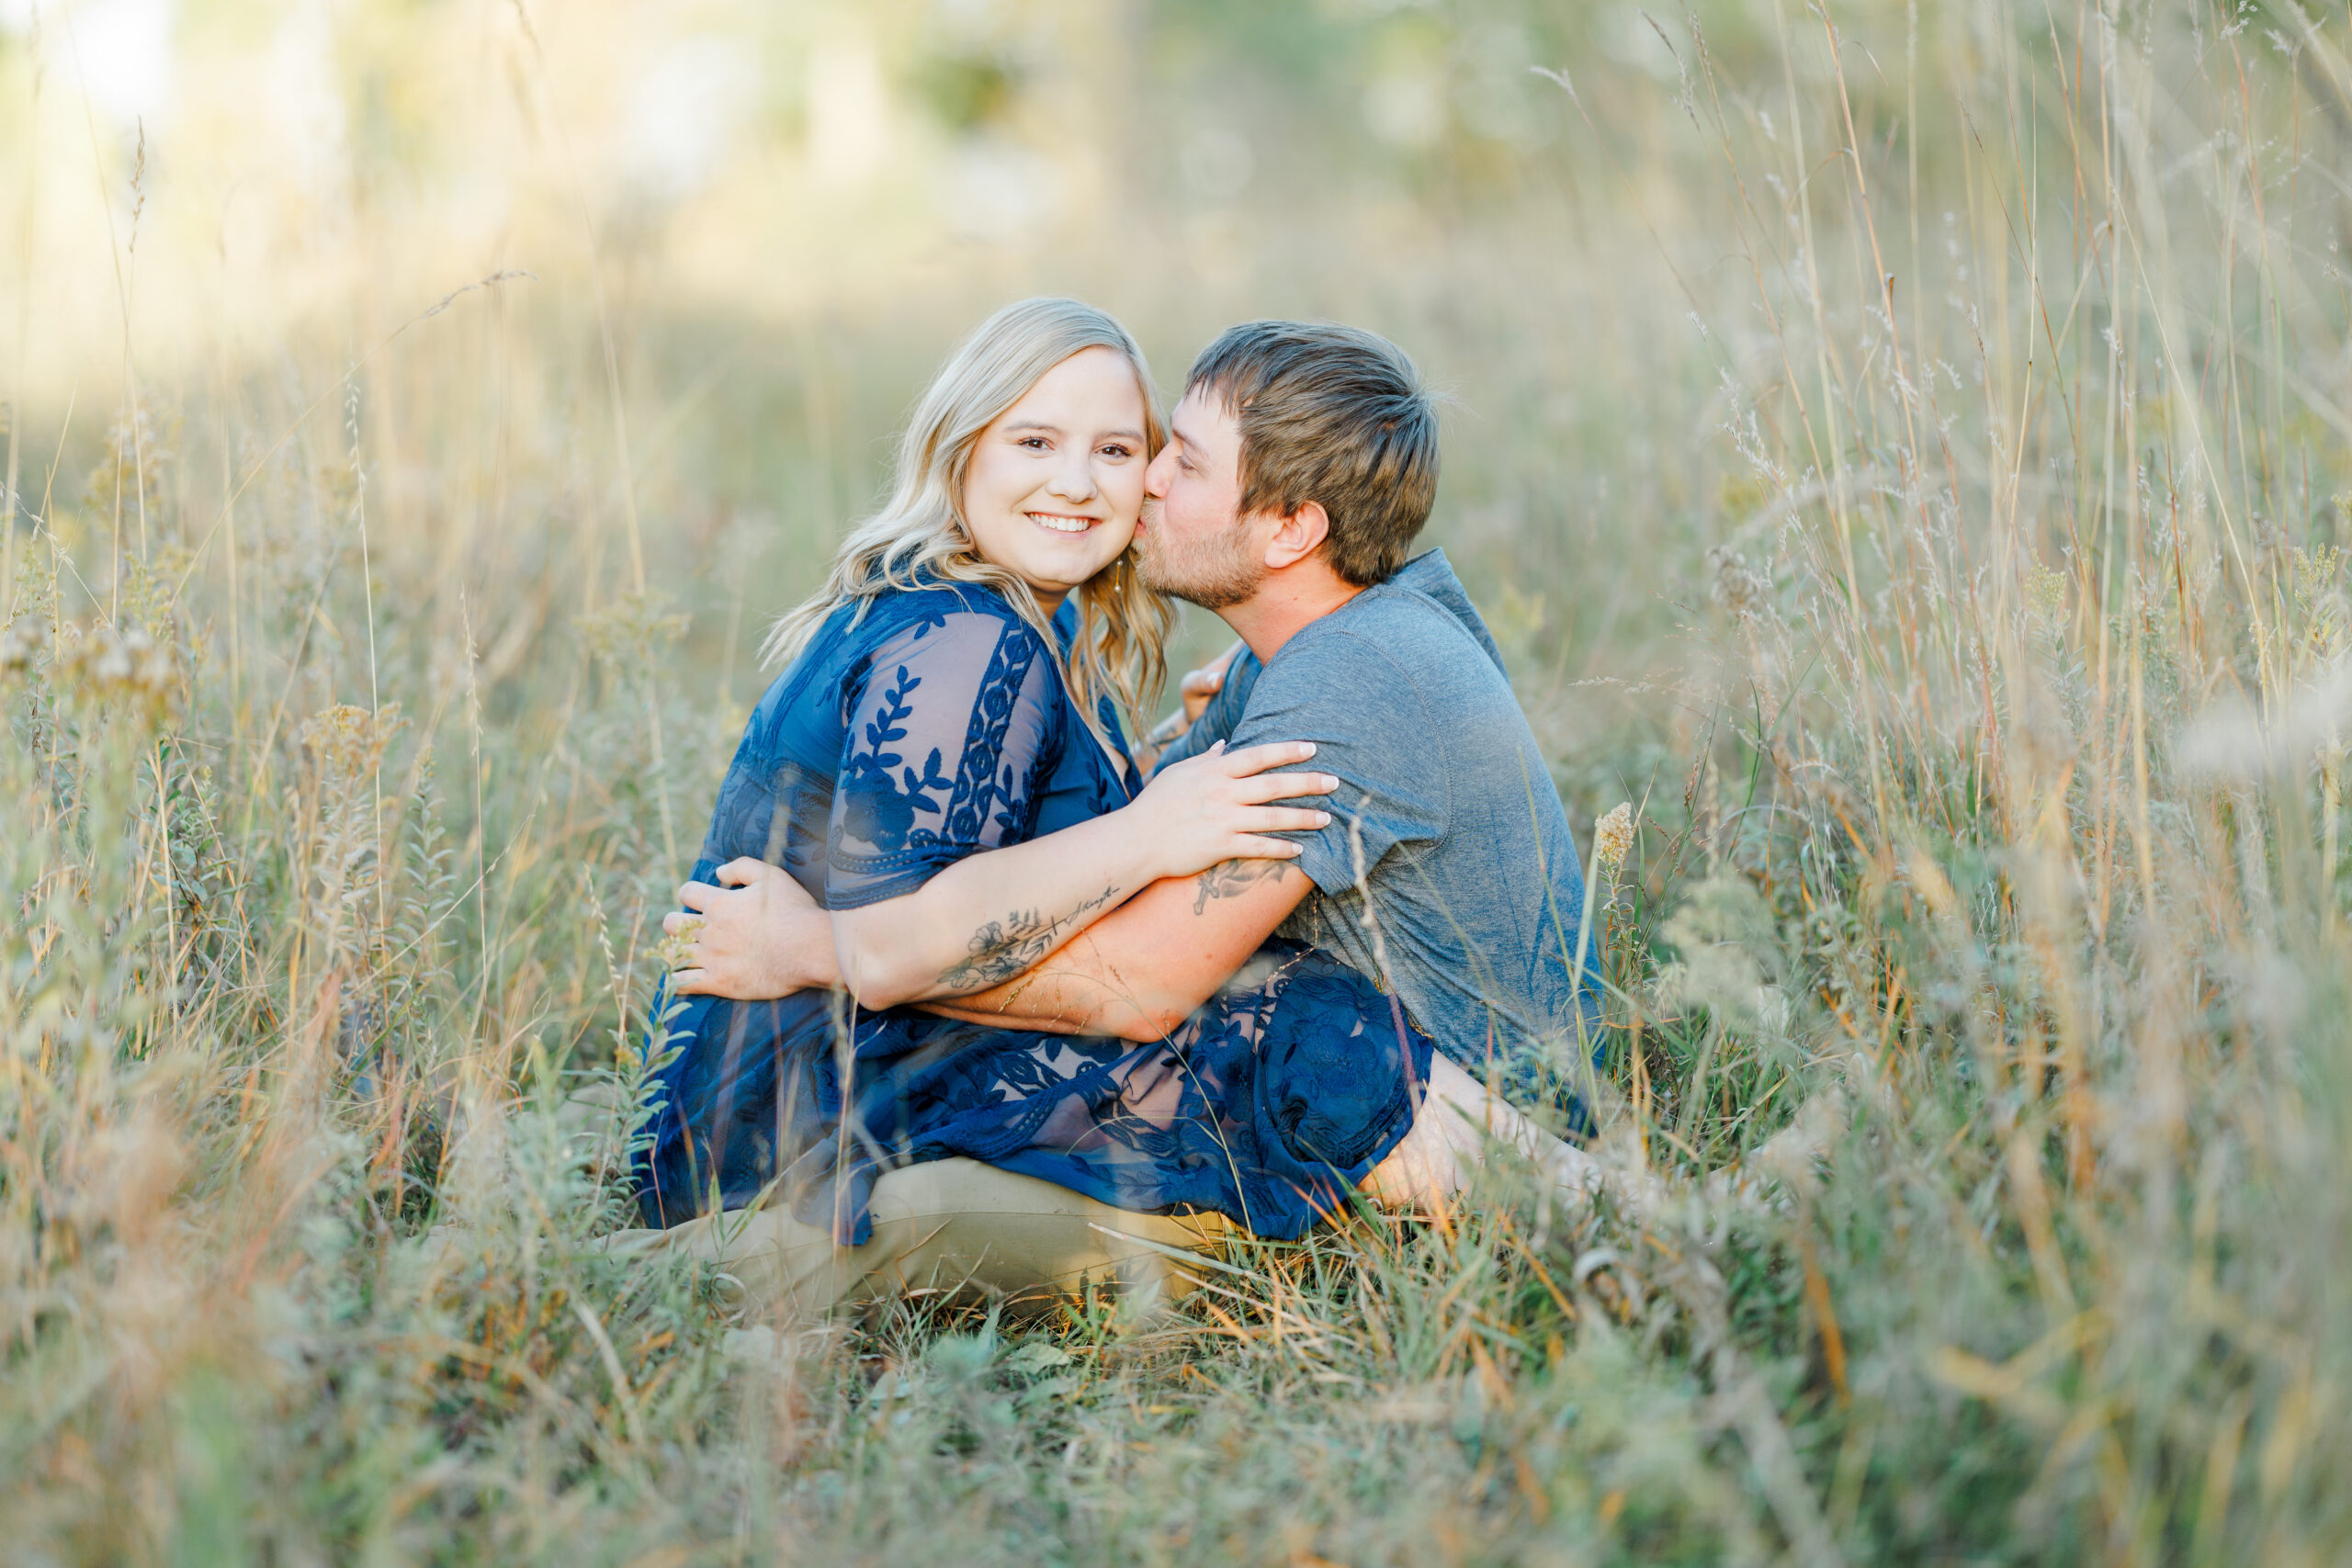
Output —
<point x="2045" y="593"/>
<point x="675" y="952"/>
<point x="1739" y="587"/>
<point x="633" y="630"/>
<point x="1612" y="839"/>
<point x="2318" y="605"/>
<point x="349" y="741"/>
<point x="19" y="644"/>
<point x="151" y="667"/>
<point x="110" y="653"/>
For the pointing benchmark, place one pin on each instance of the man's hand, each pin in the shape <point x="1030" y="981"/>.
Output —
<point x="757" y="937"/>
<point x="1196" y="689"/>
<point x="1199" y="685"/>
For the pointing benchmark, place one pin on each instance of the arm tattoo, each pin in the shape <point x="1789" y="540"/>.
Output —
<point x="1003" y="949"/>
<point x="1229" y="879"/>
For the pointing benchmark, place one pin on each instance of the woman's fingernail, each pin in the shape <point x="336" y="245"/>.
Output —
<point x="1310" y="748"/>
<point x="1322" y="819"/>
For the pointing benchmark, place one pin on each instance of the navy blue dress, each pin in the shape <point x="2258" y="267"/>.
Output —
<point x="937" y="728"/>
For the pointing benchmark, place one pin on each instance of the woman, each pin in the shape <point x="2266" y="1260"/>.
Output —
<point x="940" y="765"/>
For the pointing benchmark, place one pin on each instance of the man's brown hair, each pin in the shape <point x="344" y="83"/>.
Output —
<point x="1329" y="414"/>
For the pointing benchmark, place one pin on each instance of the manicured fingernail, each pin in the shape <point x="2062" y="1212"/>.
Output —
<point x="1322" y="819"/>
<point x="1310" y="748"/>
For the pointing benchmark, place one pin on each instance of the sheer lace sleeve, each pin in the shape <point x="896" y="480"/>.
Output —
<point x="948" y="742"/>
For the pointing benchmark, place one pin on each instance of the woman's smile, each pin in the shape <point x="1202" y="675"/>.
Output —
<point x="1055" y="481"/>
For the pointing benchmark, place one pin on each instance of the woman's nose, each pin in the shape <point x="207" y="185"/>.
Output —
<point x="1074" y="478"/>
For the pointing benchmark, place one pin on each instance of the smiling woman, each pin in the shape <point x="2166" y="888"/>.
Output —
<point x="1055" y="484"/>
<point x="934" y="796"/>
<point x="968" y="485"/>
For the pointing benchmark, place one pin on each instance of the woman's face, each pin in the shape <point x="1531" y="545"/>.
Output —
<point x="1055" y="484"/>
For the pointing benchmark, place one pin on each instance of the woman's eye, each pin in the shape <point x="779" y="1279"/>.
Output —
<point x="1116" y="450"/>
<point x="1035" y="443"/>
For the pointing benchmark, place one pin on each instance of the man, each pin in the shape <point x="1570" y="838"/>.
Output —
<point x="1303" y="464"/>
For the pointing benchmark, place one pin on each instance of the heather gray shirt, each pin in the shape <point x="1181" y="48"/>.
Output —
<point x="1449" y="874"/>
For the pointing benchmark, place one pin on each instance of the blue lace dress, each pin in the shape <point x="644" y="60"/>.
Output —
<point x="938" y="727"/>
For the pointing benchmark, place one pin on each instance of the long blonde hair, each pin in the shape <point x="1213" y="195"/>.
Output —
<point x="1121" y="648"/>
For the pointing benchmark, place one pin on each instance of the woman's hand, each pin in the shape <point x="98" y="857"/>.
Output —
<point x="1214" y="808"/>
<point x="757" y="937"/>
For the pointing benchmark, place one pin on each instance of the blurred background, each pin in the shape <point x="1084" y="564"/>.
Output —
<point x="730" y="241"/>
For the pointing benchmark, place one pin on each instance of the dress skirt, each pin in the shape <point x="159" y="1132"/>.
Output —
<point x="1268" y="1105"/>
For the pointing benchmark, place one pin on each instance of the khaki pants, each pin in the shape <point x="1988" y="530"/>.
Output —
<point x="951" y="1225"/>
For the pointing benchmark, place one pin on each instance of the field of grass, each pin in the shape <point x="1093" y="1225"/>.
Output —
<point x="1907" y="452"/>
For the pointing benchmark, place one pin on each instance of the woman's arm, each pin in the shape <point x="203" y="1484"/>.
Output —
<point x="984" y="919"/>
<point x="933" y="899"/>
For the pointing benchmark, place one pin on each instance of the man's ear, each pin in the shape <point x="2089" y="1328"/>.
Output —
<point x="1297" y="536"/>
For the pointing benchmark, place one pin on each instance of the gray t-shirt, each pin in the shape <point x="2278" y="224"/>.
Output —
<point x="1446" y="829"/>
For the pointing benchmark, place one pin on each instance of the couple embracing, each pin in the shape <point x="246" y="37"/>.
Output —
<point x="973" y="990"/>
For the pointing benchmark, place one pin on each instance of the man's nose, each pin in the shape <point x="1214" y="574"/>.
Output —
<point x="1161" y="470"/>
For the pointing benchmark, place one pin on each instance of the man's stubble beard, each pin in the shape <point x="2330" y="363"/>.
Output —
<point x="1213" y="577"/>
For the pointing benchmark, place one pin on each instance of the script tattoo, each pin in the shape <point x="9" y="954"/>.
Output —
<point x="1228" y="879"/>
<point x="1003" y="949"/>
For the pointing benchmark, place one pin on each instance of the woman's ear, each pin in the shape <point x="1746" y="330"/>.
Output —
<point x="1299" y="536"/>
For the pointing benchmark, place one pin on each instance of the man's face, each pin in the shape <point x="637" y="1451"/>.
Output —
<point x="1191" y="542"/>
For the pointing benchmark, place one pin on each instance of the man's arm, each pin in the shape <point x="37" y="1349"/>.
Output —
<point x="1142" y="969"/>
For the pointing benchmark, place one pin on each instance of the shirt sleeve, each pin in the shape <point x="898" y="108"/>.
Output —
<point x="1373" y="729"/>
<point x="952" y="727"/>
<point x="1225" y="710"/>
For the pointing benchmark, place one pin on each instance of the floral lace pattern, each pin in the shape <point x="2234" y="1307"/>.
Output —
<point x="946" y="751"/>
<point x="1267" y="1105"/>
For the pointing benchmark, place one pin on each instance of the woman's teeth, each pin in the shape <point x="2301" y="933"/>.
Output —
<point x="1061" y="524"/>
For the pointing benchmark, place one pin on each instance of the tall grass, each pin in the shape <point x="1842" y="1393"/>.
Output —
<point x="1942" y="550"/>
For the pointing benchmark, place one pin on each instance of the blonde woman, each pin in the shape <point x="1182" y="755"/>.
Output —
<point x="940" y="765"/>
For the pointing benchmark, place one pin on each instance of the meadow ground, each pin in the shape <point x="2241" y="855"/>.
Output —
<point x="1905" y="455"/>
